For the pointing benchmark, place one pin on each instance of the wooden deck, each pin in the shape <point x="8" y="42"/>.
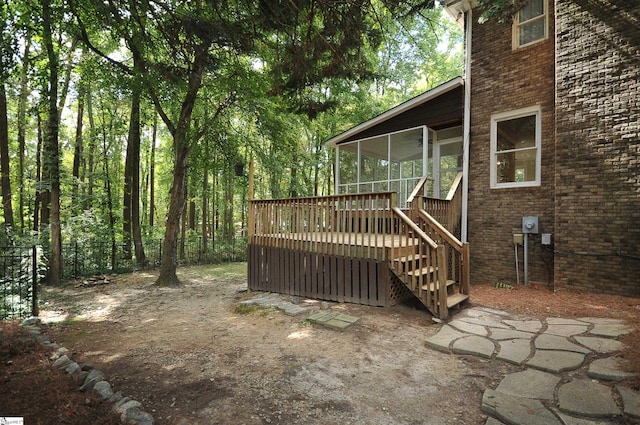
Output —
<point x="355" y="248"/>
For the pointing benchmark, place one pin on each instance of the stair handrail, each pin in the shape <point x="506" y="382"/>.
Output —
<point x="440" y="229"/>
<point x="416" y="229"/>
<point x="461" y="247"/>
<point x="438" y="302"/>
<point x="419" y="186"/>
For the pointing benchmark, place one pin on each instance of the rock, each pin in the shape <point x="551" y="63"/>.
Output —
<point x="31" y="321"/>
<point x="135" y="416"/>
<point x="62" y="362"/>
<point x="104" y="389"/>
<point x="92" y="378"/>
<point x="116" y="397"/>
<point x="58" y="353"/>
<point x="122" y="407"/>
<point x="73" y="369"/>
<point x="87" y="366"/>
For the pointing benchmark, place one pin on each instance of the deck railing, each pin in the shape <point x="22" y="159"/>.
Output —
<point x="446" y="211"/>
<point x="347" y="225"/>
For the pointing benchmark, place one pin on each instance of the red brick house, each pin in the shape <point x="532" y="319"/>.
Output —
<point x="552" y="130"/>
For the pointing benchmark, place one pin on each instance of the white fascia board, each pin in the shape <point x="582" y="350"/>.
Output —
<point x="403" y="107"/>
<point x="457" y="8"/>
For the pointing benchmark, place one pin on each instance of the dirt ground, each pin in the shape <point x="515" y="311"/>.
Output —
<point x="190" y="356"/>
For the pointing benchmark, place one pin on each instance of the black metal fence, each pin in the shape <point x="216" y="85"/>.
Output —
<point x="19" y="276"/>
<point x="22" y="268"/>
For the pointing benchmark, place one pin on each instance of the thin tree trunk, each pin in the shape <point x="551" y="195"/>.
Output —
<point x="183" y="223"/>
<point x="38" y="194"/>
<point x="152" y="172"/>
<point x="22" y="124"/>
<point x="90" y="155"/>
<point x="228" y="209"/>
<point x="78" y="151"/>
<point x="52" y="160"/>
<point x="7" y="207"/>
<point x="205" y="182"/>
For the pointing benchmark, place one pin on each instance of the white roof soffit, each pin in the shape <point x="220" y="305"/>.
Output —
<point x="409" y="104"/>
<point x="457" y="8"/>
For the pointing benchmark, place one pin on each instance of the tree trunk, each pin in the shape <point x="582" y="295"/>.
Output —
<point x="90" y="155"/>
<point x="78" y="152"/>
<point x="168" y="276"/>
<point x="228" y="209"/>
<point x="134" y="138"/>
<point x="22" y="124"/>
<point x="38" y="194"/>
<point x="7" y="207"/>
<point x="52" y="160"/>
<point x="152" y="172"/>
<point x="205" y="181"/>
<point x="183" y="222"/>
<point x="169" y="263"/>
<point x="134" y="131"/>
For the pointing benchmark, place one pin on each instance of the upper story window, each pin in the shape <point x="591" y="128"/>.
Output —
<point x="515" y="148"/>
<point x="530" y="24"/>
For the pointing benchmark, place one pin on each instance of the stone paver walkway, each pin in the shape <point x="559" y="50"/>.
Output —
<point x="568" y="376"/>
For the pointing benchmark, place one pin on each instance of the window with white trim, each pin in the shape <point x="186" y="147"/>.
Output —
<point x="515" y="148"/>
<point x="530" y="24"/>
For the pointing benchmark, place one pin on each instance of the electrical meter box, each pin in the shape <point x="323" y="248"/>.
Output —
<point x="530" y="224"/>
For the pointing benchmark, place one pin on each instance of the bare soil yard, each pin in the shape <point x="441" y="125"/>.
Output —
<point x="191" y="356"/>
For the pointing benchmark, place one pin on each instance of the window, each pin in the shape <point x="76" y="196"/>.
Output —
<point x="515" y="148"/>
<point x="530" y="24"/>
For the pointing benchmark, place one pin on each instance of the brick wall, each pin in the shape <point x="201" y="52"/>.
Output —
<point x="503" y="79"/>
<point x="597" y="201"/>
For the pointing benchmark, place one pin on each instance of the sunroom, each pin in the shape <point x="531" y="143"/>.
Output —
<point x="417" y="143"/>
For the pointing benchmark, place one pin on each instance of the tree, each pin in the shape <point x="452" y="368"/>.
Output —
<point x="51" y="170"/>
<point x="7" y="46"/>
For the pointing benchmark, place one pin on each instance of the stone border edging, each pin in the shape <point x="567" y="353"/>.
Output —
<point x="90" y="378"/>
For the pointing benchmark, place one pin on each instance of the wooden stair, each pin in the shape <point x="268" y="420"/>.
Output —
<point x="407" y="269"/>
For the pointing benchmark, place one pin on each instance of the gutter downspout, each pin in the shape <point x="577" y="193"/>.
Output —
<point x="467" y="126"/>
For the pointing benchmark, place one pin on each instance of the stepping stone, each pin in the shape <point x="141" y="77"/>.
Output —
<point x="334" y="320"/>
<point x="566" y="329"/>
<point x="529" y="383"/>
<point x="516" y="410"/>
<point x="570" y="420"/>
<point x="474" y="345"/>
<point x="601" y="320"/>
<point x="556" y="361"/>
<point x="493" y="421"/>
<point x="500" y="334"/>
<point x="469" y="328"/>
<point x="631" y="401"/>
<point x="607" y="369"/>
<point x="484" y="322"/>
<point x="554" y="342"/>
<point x="587" y="398"/>
<point x="563" y="321"/>
<point x="514" y="350"/>
<point x="525" y="325"/>
<point x="600" y="345"/>
<point x="612" y="330"/>
<point x="443" y="339"/>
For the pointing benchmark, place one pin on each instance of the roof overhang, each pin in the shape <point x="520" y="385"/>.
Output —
<point x="403" y="107"/>
<point x="457" y="8"/>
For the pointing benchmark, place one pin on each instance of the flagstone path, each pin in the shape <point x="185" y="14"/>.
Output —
<point x="568" y="375"/>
